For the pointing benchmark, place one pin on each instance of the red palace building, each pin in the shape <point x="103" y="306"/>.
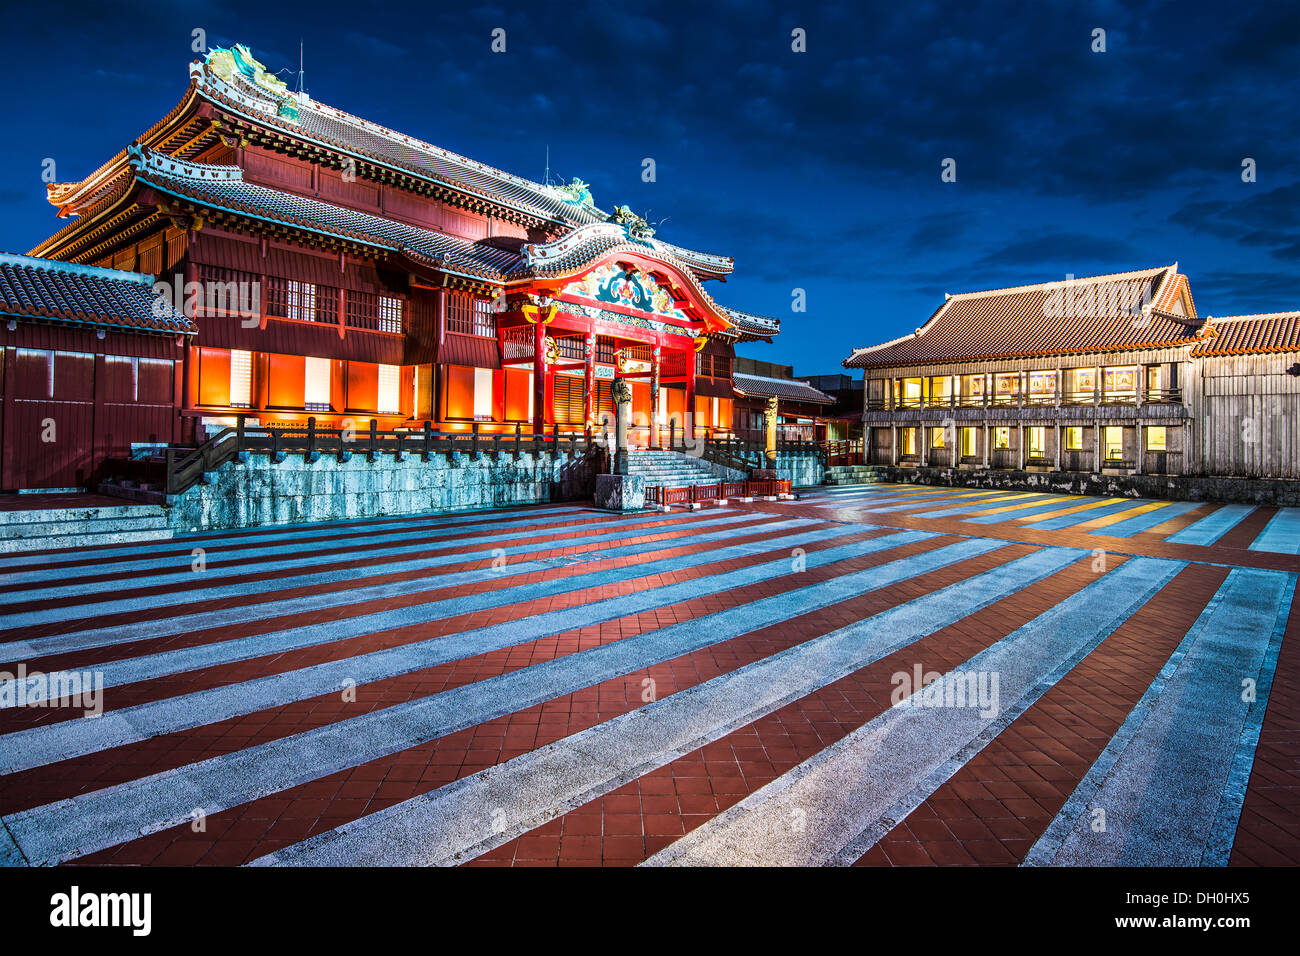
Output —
<point x="336" y="268"/>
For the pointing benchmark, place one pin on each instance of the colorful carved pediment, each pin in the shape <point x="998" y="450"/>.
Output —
<point x="629" y="287"/>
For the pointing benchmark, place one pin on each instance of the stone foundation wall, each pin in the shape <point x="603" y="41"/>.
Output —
<point x="1254" y="491"/>
<point x="261" y="492"/>
<point x="800" y="470"/>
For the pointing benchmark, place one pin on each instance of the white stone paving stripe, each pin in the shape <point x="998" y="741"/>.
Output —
<point x="1167" y="772"/>
<point x="149" y="666"/>
<point x="177" y="565"/>
<point x="444" y="826"/>
<point x="1282" y="533"/>
<point x="49" y="743"/>
<point x="856" y="790"/>
<point x="238" y="538"/>
<point x="257" y="590"/>
<point x="88" y="822"/>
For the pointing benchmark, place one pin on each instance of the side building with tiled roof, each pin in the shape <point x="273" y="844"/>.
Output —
<point x="339" y="269"/>
<point x="91" y="362"/>
<point x="1115" y="374"/>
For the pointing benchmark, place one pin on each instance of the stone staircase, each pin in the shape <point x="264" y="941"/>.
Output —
<point x="44" y="528"/>
<point x="851" y="475"/>
<point x="669" y="469"/>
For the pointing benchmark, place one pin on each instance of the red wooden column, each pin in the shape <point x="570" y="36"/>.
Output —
<point x="540" y="376"/>
<point x="689" y="430"/>
<point x="654" y="398"/>
<point x="589" y="382"/>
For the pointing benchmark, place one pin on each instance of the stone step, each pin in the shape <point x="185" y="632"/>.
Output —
<point x="71" y="524"/>
<point x="16" y="519"/>
<point x="10" y="545"/>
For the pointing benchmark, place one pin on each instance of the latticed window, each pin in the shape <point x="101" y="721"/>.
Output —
<point x="605" y="350"/>
<point x="573" y="347"/>
<point x="290" y="299"/>
<point x="460" y="312"/>
<point x="228" y="291"/>
<point x="362" y="309"/>
<point x="485" y="320"/>
<point x="389" y="314"/>
<point x="327" y="304"/>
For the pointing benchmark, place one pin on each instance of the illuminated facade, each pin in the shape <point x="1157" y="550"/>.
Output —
<point x="1114" y="374"/>
<point x="341" y="270"/>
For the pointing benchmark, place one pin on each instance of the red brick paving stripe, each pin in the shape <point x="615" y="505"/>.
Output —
<point x="322" y="548"/>
<point x="1243" y="534"/>
<point x="94" y="771"/>
<point x="642" y="534"/>
<point x="1178" y="522"/>
<point x="672" y="800"/>
<point x="332" y="801"/>
<point x="1268" y="833"/>
<point x="128" y="695"/>
<point x="1003" y="799"/>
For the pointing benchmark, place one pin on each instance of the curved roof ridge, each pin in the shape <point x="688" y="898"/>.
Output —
<point x="1064" y="283"/>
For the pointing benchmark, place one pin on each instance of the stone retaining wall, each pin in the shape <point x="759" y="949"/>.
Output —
<point x="1254" y="491"/>
<point x="800" y="470"/>
<point x="260" y="492"/>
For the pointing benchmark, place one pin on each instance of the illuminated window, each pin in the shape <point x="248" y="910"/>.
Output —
<point x="485" y="319"/>
<point x="1156" y="438"/>
<point x="1114" y="441"/>
<point x="390" y="314"/>
<point x="316" y="393"/>
<point x="1074" y="438"/>
<point x="483" y="394"/>
<point x="1119" y="381"/>
<point x="909" y="441"/>
<point x="301" y="301"/>
<point x="1002" y="437"/>
<point x="968" y="442"/>
<point x="936" y="436"/>
<point x="389" y="376"/>
<point x="241" y="379"/>
<point x="1037" y="441"/>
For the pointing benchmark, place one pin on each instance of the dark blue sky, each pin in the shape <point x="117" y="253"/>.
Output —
<point x="816" y="170"/>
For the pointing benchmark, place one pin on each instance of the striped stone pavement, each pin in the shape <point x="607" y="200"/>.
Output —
<point x="871" y="675"/>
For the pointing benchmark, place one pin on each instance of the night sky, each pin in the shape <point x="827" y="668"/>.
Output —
<point x="817" y="170"/>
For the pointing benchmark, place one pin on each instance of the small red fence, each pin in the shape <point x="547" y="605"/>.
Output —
<point x="692" y="494"/>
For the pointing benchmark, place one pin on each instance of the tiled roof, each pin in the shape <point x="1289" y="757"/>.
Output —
<point x="342" y="130"/>
<point x="754" y="326"/>
<point x="760" y="386"/>
<point x="85" y="295"/>
<point x="224" y="187"/>
<point x="1101" y="313"/>
<point x="1241" y="334"/>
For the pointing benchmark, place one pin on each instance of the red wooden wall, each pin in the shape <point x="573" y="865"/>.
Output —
<point x="71" y="400"/>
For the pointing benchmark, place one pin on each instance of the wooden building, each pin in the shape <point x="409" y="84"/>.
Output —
<point x="90" y="364"/>
<point x="339" y="269"/>
<point x="1114" y="374"/>
<point x="801" y="408"/>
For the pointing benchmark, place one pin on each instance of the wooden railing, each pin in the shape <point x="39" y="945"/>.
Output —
<point x="729" y="451"/>
<point x="182" y="468"/>
<point x="713" y="491"/>
<point x="847" y="452"/>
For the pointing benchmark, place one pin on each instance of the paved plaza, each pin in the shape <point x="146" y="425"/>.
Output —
<point x="874" y="675"/>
